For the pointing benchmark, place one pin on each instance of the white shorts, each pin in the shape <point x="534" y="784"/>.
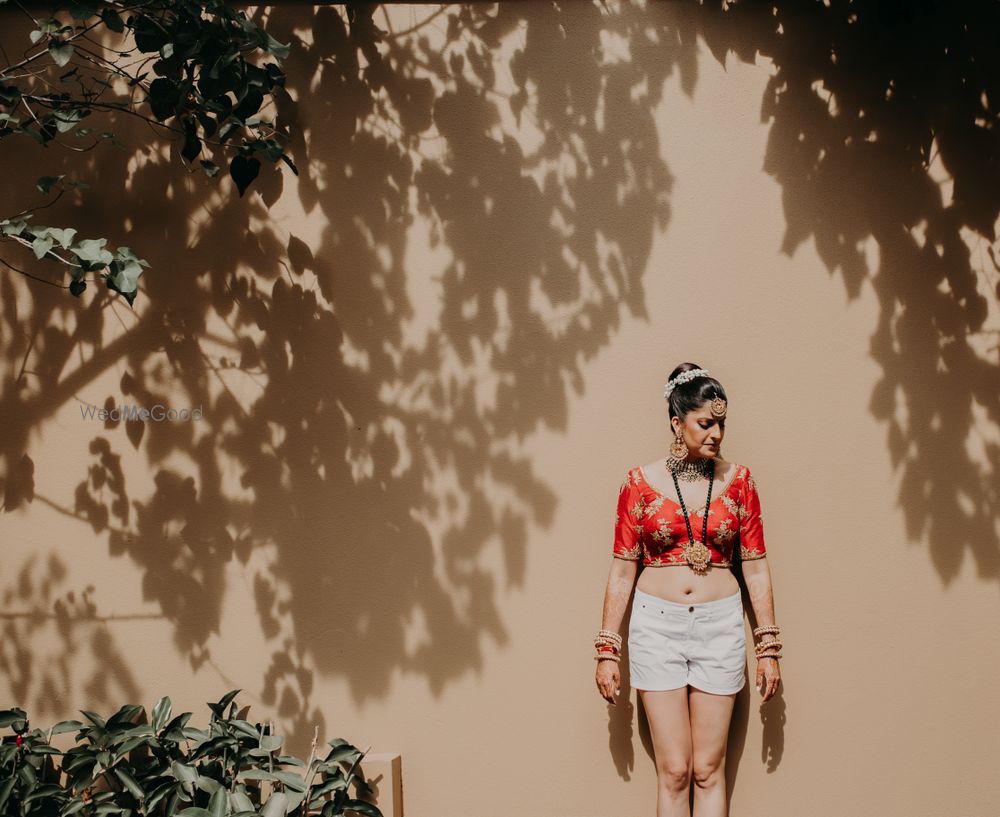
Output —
<point x="671" y="644"/>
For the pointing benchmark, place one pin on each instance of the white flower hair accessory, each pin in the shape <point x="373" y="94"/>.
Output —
<point x="683" y="377"/>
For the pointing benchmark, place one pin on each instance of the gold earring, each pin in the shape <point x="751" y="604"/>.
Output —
<point x="678" y="449"/>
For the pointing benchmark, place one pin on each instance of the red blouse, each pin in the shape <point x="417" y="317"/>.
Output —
<point x="650" y="526"/>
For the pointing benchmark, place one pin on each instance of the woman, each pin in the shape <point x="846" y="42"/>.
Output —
<point x="687" y="513"/>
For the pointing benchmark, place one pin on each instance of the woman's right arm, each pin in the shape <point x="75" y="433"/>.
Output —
<point x="621" y="578"/>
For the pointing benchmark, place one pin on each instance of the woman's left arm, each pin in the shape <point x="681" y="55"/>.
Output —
<point x="757" y="575"/>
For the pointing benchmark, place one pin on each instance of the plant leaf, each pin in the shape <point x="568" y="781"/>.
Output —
<point x="61" y="52"/>
<point x="219" y="802"/>
<point x="45" y="183"/>
<point x="275" y="806"/>
<point x="130" y="783"/>
<point x="161" y="712"/>
<point x="243" y="171"/>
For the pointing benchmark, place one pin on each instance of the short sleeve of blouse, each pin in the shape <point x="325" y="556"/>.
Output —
<point x="751" y="524"/>
<point x="628" y="528"/>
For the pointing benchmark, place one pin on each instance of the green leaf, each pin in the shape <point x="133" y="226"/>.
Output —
<point x="275" y="806"/>
<point x="27" y="775"/>
<point x="186" y="774"/>
<point x="112" y="20"/>
<point x="178" y="723"/>
<point x="92" y="251"/>
<point x="192" y="144"/>
<point x="220" y="707"/>
<point x="271" y="742"/>
<point x="5" y="789"/>
<point x="76" y="287"/>
<point x="194" y="812"/>
<point x="43" y="791"/>
<point x="163" y="98"/>
<point x="161" y="712"/>
<point x="9" y="716"/>
<point x="244" y="728"/>
<point x="130" y="783"/>
<point x="131" y="744"/>
<point x="127" y="712"/>
<point x="344" y="752"/>
<point x="66" y="118"/>
<point x="219" y="803"/>
<point x="280" y="50"/>
<point x="61" y="52"/>
<point x="72" y="807"/>
<point x="256" y="774"/>
<point x="208" y="785"/>
<point x="241" y="802"/>
<point x="41" y="246"/>
<point x="95" y="719"/>
<point x="156" y="794"/>
<point x="293" y="781"/>
<point x="65" y="238"/>
<point x="45" y="183"/>
<point x="243" y="171"/>
<point x="329" y="785"/>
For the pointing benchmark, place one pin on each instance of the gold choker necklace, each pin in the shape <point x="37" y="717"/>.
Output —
<point x="690" y="470"/>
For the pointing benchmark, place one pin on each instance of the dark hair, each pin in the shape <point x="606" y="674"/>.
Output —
<point x="694" y="394"/>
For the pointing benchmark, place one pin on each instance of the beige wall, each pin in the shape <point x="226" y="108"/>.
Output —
<point x="396" y="524"/>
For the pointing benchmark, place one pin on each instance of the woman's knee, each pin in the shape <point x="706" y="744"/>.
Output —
<point x="674" y="775"/>
<point x="707" y="771"/>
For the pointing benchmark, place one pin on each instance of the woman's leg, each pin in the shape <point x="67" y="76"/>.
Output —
<point x="670" y="728"/>
<point x="710" y="717"/>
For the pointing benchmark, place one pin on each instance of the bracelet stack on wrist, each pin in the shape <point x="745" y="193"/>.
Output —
<point x="609" y="645"/>
<point x="770" y="647"/>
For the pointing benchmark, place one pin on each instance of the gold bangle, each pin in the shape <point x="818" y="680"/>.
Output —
<point x="608" y="657"/>
<point x="774" y="655"/>
<point x="766" y="628"/>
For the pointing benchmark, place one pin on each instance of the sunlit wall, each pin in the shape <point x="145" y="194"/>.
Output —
<point x="423" y="365"/>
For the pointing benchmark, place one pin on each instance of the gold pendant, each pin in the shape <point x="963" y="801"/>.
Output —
<point x="718" y="407"/>
<point x="698" y="556"/>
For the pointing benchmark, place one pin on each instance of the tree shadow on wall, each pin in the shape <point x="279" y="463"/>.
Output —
<point x="375" y="471"/>
<point x="373" y="479"/>
<point x="863" y="95"/>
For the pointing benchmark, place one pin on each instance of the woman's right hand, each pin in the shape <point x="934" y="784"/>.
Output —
<point x="608" y="680"/>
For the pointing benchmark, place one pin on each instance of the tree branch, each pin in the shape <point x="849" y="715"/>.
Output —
<point x="32" y="277"/>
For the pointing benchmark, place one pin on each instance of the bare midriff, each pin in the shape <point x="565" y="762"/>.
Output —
<point x="680" y="583"/>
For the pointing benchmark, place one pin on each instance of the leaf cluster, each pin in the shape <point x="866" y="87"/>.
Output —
<point x="197" y="70"/>
<point x="128" y="764"/>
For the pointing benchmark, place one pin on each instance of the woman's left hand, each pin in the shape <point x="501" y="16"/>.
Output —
<point x="768" y="677"/>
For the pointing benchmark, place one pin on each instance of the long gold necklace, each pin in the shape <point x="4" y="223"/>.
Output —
<point x="696" y="553"/>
